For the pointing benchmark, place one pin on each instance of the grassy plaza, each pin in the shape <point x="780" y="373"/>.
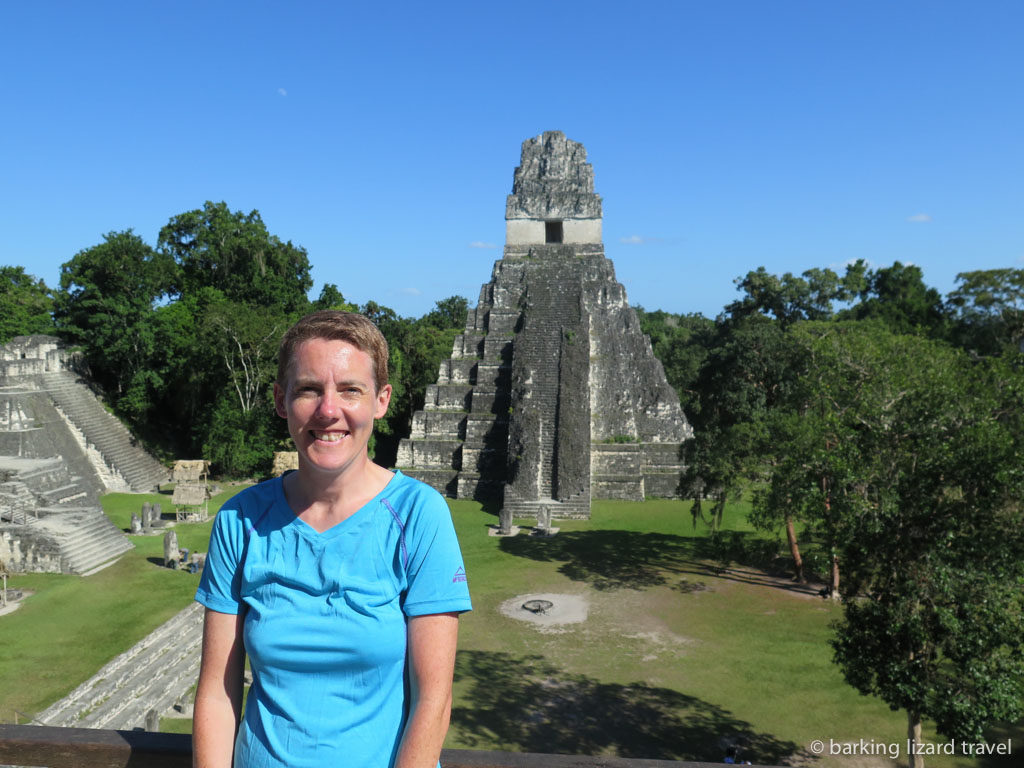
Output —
<point x="690" y="642"/>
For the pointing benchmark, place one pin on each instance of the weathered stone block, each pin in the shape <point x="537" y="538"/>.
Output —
<point x="664" y="485"/>
<point x="448" y="396"/>
<point x="461" y="371"/>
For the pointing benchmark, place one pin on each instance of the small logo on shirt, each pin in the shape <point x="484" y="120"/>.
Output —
<point x="460" y="575"/>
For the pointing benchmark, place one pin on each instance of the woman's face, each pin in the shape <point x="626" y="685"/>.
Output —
<point x="330" y="402"/>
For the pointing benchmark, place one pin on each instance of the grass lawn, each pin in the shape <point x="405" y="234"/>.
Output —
<point x="73" y="625"/>
<point x="688" y="644"/>
<point x="684" y="648"/>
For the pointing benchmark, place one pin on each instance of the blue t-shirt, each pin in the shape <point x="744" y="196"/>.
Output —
<point x="325" y="622"/>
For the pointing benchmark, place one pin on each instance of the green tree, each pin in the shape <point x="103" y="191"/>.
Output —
<point x="26" y="305"/>
<point x="789" y="298"/>
<point x="989" y="306"/>
<point x="240" y="443"/>
<point x="916" y="468"/>
<point x="234" y="253"/>
<point x="106" y="303"/>
<point x="447" y="314"/>
<point x="331" y="298"/>
<point x="898" y="297"/>
<point x="245" y="339"/>
<point x="743" y="376"/>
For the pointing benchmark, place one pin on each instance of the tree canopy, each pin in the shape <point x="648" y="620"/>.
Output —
<point x="234" y="253"/>
<point x="914" y="464"/>
<point x="26" y="304"/>
<point x="182" y="338"/>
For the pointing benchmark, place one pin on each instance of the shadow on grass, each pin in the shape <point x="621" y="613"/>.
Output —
<point x="629" y="559"/>
<point x="527" y="704"/>
<point x="999" y="734"/>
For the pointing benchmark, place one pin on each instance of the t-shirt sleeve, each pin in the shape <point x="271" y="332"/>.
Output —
<point x="435" y="574"/>
<point x="220" y="584"/>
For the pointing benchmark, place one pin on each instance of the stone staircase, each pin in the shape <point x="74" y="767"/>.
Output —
<point x="110" y="437"/>
<point x="15" y="500"/>
<point x="153" y="674"/>
<point x="39" y="495"/>
<point x="458" y="441"/>
<point x="87" y="539"/>
<point x="549" y="429"/>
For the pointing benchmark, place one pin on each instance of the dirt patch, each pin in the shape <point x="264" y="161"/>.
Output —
<point x="14" y="600"/>
<point x="564" y="609"/>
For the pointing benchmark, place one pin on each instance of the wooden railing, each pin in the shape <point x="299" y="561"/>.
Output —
<point x="37" y="745"/>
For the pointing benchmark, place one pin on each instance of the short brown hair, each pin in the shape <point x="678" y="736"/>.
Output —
<point x="333" y="325"/>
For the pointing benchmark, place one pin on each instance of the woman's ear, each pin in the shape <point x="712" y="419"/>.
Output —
<point x="279" y="404"/>
<point x="383" y="400"/>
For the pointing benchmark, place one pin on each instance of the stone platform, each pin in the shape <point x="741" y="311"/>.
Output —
<point x="154" y="674"/>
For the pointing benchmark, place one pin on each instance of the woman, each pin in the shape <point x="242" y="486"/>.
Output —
<point x="342" y="582"/>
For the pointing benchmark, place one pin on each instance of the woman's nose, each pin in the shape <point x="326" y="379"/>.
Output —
<point x="329" y="405"/>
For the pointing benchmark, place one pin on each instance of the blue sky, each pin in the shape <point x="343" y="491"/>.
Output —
<point x="382" y="137"/>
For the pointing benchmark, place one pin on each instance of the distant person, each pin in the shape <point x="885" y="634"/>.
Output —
<point x="732" y="756"/>
<point x="341" y="581"/>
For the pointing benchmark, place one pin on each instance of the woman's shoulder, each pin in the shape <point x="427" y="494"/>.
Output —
<point x="414" y="496"/>
<point x="252" y="503"/>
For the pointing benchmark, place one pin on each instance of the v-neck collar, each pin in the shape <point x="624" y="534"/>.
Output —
<point x="308" y="531"/>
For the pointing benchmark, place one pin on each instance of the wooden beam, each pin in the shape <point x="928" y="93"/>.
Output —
<point x="94" y="748"/>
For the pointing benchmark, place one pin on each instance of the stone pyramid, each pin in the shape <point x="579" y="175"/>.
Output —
<point x="552" y="395"/>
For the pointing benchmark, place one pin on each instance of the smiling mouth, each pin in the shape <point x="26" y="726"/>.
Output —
<point x="330" y="437"/>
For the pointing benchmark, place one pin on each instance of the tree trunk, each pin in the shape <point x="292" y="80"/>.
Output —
<point x="914" y="760"/>
<point x="794" y="550"/>
<point x="834" y="580"/>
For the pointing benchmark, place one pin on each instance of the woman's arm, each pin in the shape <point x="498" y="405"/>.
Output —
<point x="219" y="694"/>
<point x="432" y="640"/>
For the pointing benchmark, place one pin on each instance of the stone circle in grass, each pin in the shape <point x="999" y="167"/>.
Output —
<point x="557" y="610"/>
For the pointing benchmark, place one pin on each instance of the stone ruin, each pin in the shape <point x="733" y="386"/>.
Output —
<point x="191" y="497"/>
<point x="552" y="395"/>
<point x="284" y="461"/>
<point x="59" y="450"/>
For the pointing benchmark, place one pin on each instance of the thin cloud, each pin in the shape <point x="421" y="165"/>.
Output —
<point x="920" y="218"/>
<point x="282" y="92"/>
<point x="641" y="240"/>
<point x="411" y="291"/>
<point x="481" y="244"/>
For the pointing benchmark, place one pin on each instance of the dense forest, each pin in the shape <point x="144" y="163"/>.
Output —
<point x="880" y="427"/>
<point x="181" y="338"/>
<point x="877" y="424"/>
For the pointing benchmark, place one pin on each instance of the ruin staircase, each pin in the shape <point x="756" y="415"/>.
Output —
<point x="110" y="437"/>
<point x="155" y="673"/>
<point x="458" y="441"/>
<point x="87" y="539"/>
<point x="40" y="493"/>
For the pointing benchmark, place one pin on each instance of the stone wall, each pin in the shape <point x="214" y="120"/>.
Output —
<point x="29" y="550"/>
<point x="533" y="232"/>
